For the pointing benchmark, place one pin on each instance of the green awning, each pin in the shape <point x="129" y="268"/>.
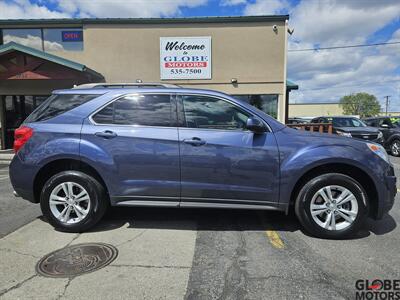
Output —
<point x="290" y="85"/>
<point x="12" y="46"/>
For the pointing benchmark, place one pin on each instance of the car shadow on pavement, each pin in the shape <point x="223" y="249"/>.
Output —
<point x="220" y="220"/>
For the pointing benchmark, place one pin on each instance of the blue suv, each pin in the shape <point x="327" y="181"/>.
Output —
<point x="83" y="150"/>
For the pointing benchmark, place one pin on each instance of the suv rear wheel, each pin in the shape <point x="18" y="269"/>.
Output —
<point x="331" y="206"/>
<point x="73" y="201"/>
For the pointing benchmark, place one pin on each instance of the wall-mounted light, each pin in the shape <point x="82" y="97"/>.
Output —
<point x="234" y="81"/>
<point x="139" y="81"/>
<point x="275" y="28"/>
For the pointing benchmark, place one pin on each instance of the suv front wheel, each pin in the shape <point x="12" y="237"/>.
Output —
<point x="73" y="201"/>
<point x="331" y="206"/>
<point x="395" y="147"/>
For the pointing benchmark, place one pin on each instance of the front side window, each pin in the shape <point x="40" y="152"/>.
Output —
<point x="213" y="113"/>
<point x="58" y="104"/>
<point x="145" y="110"/>
<point x="267" y="103"/>
<point x="63" y="39"/>
<point x="27" y="37"/>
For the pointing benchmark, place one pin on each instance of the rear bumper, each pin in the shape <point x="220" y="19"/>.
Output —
<point x="21" y="179"/>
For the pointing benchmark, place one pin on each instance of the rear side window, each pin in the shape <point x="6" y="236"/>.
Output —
<point x="145" y="110"/>
<point x="56" y="105"/>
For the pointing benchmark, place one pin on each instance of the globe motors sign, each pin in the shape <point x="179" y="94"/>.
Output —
<point x="185" y="57"/>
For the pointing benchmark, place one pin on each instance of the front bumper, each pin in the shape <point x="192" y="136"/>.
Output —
<point x="388" y="195"/>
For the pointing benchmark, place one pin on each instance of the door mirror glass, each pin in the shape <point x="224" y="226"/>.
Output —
<point x="255" y="125"/>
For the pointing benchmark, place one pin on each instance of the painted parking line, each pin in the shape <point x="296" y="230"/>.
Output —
<point x="275" y="239"/>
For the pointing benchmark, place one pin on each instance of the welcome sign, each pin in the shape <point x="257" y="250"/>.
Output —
<point x="185" y="57"/>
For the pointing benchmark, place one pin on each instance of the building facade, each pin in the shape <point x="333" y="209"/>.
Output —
<point x="314" y="109"/>
<point x="242" y="56"/>
<point x="308" y="110"/>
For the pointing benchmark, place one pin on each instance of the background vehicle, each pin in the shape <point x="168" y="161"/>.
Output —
<point x="298" y="121"/>
<point x="85" y="149"/>
<point x="352" y="127"/>
<point x="390" y="127"/>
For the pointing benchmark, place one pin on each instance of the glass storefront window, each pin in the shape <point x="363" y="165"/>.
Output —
<point x="266" y="103"/>
<point x="27" y="37"/>
<point x="15" y="110"/>
<point x="63" y="39"/>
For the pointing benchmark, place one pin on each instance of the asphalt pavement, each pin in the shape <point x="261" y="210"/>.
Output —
<point x="196" y="254"/>
<point x="14" y="212"/>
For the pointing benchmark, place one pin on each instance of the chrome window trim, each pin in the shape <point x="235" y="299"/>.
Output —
<point x="175" y="94"/>
<point x="229" y="101"/>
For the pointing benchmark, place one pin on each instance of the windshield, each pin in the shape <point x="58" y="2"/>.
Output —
<point x="347" y="122"/>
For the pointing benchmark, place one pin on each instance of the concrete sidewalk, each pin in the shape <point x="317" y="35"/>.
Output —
<point x="154" y="262"/>
<point x="6" y="156"/>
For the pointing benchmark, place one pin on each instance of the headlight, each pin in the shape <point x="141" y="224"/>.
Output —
<point x="380" y="135"/>
<point x="348" y="134"/>
<point x="378" y="150"/>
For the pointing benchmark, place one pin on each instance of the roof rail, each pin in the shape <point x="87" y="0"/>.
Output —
<point x="125" y="85"/>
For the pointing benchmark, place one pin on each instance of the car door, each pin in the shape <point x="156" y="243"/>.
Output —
<point x="222" y="162"/>
<point x="134" y="142"/>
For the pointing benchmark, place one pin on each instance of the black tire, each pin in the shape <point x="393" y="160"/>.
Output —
<point x="395" y="151"/>
<point x="98" y="200"/>
<point x="304" y="198"/>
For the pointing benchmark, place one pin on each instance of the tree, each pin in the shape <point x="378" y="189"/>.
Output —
<point x="362" y="104"/>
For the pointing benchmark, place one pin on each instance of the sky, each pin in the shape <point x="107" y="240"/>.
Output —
<point x="322" y="75"/>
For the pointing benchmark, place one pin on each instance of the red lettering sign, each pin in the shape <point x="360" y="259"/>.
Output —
<point x="197" y="64"/>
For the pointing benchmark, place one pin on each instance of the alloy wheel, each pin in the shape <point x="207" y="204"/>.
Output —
<point x="395" y="148"/>
<point x="334" y="207"/>
<point x="69" y="202"/>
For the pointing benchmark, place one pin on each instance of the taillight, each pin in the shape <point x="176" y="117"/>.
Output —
<point x="21" y="136"/>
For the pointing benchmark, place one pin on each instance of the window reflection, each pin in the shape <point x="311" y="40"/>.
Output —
<point x="27" y="37"/>
<point x="54" y="39"/>
<point x="213" y="113"/>
<point x="266" y="103"/>
<point x="146" y="110"/>
<point x="63" y="39"/>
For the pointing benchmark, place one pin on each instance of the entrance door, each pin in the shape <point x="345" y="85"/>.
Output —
<point x="221" y="161"/>
<point x="15" y="109"/>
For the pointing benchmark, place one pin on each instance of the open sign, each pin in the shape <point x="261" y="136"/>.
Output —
<point x="72" y="36"/>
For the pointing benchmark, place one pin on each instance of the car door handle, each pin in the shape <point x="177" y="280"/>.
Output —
<point x="108" y="134"/>
<point x="195" y="141"/>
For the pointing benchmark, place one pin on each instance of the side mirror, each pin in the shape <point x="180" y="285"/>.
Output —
<point x="255" y="125"/>
<point x="384" y="125"/>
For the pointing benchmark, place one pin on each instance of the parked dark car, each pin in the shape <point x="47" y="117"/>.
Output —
<point x="390" y="127"/>
<point x="352" y="127"/>
<point x="85" y="149"/>
<point x="298" y="121"/>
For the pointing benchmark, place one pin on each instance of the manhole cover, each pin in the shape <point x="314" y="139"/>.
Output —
<point x="76" y="260"/>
